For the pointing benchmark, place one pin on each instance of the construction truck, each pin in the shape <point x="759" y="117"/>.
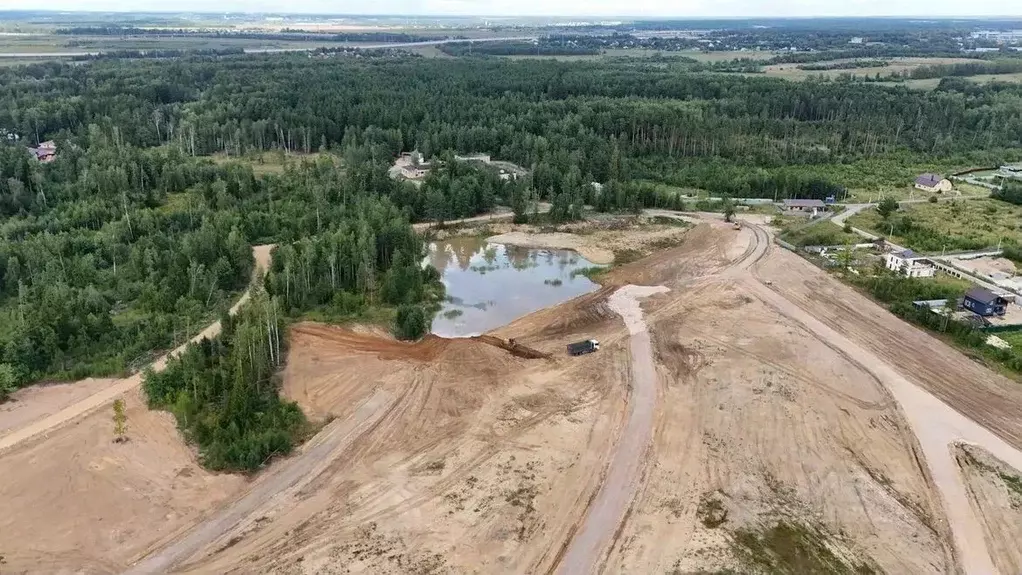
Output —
<point x="583" y="347"/>
<point x="736" y="226"/>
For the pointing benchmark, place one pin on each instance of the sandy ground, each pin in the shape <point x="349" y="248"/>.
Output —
<point x="75" y="501"/>
<point x="607" y="510"/>
<point x="988" y="266"/>
<point x="780" y="397"/>
<point x="39" y="401"/>
<point x="595" y="241"/>
<point x="483" y="462"/>
<point x="589" y="249"/>
<point x="995" y="491"/>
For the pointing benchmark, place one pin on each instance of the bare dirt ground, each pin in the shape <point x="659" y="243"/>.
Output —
<point x="32" y="403"/>
<point x="485" y="462"/>
<point x="76" y="502"/>
<point x="598" y="241"/>
<point x="988" y="266"/>
<point x="793" y="431"/>
<point x="995" y="491"/>
<point x="608" y="508"/>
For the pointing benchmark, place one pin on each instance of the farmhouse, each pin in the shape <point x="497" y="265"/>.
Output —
<point x="933" y="183"/>
<point x="805" y="206"/>
<point x="909" y="264"/>
<point x="984" y="302"/>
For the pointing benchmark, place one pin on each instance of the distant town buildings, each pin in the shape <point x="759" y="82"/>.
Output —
<point x="999" y="36"/>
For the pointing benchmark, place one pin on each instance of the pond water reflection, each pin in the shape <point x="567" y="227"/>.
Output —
<point x="490" y="285"/>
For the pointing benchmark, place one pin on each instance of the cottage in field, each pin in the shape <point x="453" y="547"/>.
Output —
<point x="910" y="264"/>
<point x="933" y="183"/>
<point x="813" y="206"/>
<point x="984" y="302"/>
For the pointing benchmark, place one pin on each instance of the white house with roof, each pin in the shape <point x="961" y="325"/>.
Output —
<point x="910" y="264"/>
<point x="933" y="183"/>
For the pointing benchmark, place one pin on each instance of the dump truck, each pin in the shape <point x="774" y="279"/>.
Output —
<point x="583" y="347"/>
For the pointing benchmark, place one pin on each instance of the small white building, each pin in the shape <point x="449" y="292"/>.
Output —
<point x="909" y="264"/>
<point x="933" y="183"/>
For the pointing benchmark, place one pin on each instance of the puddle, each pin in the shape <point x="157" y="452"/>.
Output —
<point x="490" y="285"/>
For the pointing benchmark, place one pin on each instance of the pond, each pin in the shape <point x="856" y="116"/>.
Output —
<point x="490" y="285"/>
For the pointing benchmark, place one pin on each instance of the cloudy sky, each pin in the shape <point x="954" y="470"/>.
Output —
<point x="649" y="8"/>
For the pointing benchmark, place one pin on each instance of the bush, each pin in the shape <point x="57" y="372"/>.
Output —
<point x="932" y="200"/>
<point x="8" y="381"/>
<point x="411" y="322"/>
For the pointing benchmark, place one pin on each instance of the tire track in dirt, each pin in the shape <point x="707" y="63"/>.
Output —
<point x="109" y="394"/>
<point x="936" y="425"/>
<point x="608" y="510"/>
<point x="292" y="477"/>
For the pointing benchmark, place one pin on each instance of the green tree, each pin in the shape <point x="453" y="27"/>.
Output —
<point x="887" y="206"/>
<point x="411" y="322"/>
<point x="728" y="209"/>
<point x="8" y="381"/>
<point x="120" y="422"/>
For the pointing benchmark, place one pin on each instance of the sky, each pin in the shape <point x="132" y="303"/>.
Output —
<point x="640" y="8"/>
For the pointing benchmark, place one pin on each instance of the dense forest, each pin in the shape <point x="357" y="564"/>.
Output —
<point x="130" y="238"/>
<point x="133" y="238"/>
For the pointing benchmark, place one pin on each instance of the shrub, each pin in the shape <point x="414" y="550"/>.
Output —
<point x="7" y="381"/>
<point x="411" y="322"/>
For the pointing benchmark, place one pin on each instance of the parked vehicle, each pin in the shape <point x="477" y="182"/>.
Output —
<point x="583" y="347"/>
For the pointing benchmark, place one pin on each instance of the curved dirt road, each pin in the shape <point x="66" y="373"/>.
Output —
<point x="936" y="425"/>
<point x="608" y="509"/>
<point x="107" y="395"/>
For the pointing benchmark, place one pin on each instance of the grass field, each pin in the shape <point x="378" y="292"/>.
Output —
<point x="963" y="224"/>
<point x="1012" y="337"/>
<point x="725" y="55"/>
<point x="793" y="72"/>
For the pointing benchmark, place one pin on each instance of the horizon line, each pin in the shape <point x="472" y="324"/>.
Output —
<point x="526" y="16"/>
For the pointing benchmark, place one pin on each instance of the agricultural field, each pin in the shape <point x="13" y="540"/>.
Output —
<point x="895" y="65"/>
<point x="954" y="225"/>
<point x="726" y="55"/>
<point x="931" y="83"/>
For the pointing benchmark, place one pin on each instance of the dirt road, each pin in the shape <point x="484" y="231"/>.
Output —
<point x="760" y="394"/>
<point x="623" y="474"/>
<point x="273" y="488"/>
<point x="542" y="208"/>
<point x="937" y="426"/>
<point x="120" y="387"/>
